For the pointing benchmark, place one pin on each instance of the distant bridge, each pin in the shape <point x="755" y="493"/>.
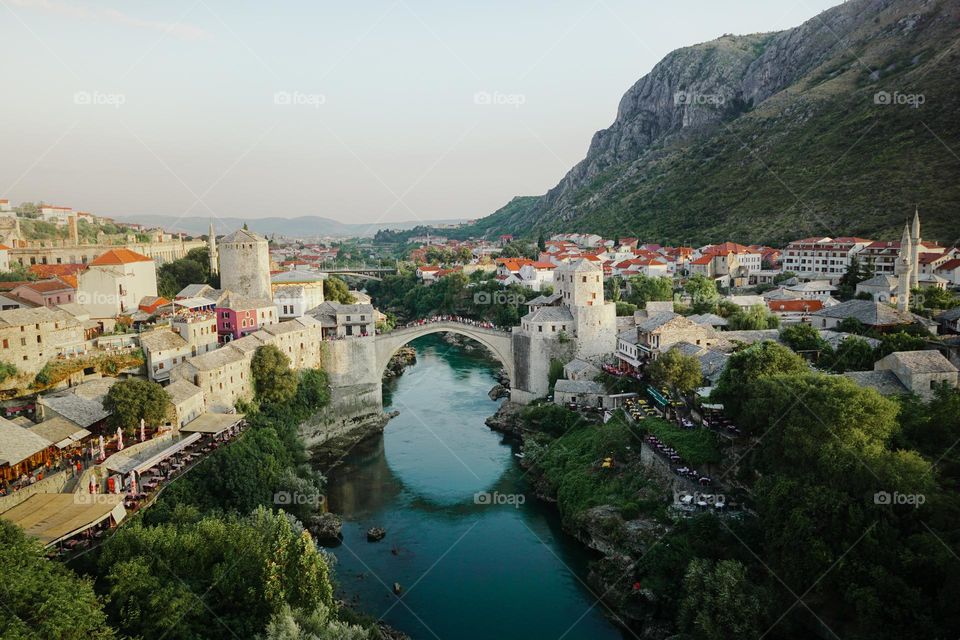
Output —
<point x="371" y="273"/>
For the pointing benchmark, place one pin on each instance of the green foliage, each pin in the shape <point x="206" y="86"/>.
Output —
<point x="17" y="273"/>
<point x="626" y="309"/>
<point x="696" y="446"/>
<point x="134" y="399"/>
<point x="761" y="359"/>
<point x="934" y="298"/>
<point x="571" y="464"/>
<point x="273" y="379"/>
<point x="555" y="372"/>
<point x="644" y="289"/>
<point x="251" y="567"/>
<point x="900" y="341"/>
<point x="551" y="418"/>
<point x="7" y="370"/>
<point x="755" y="318"/>
<point x="703" y="293"/>
<point x="721" y="601"/>
<point x="676" y="370"/>
<point x="42" y="598"/>
<point x="336" y="290"/>
<point x="318" y="624"/>
<point x="480" y="297"/>
<point x="519" y="249"/>
<point x="802" y="337"/>
<point x="194" y="268"/>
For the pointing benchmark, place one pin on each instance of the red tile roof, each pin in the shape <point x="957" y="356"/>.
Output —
<point x="119" y="256"/>
<point x="51" y="270"/>
<point x="806" y="306"/>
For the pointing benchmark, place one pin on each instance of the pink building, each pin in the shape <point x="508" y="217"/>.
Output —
<point x="238" y="316"/>
<point x="46" y="293"/>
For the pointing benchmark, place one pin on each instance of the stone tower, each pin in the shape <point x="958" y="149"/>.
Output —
<point x="915" y="241"/>
<point x="212" y="250"/>
<point x="595" y="321"/>
<point x="245" y="264"/>
<point x="903" y="270"/>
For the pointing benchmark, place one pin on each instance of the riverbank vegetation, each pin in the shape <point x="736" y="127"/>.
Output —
<point x="223" y="553"/>
<point x="852" y="503"/>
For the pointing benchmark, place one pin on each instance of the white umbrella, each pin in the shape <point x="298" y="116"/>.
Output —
<point x="119" y="439"/>
<point x="133" y="483"/>
<point x="143" y="431"/>
<point x="103" y="451"/>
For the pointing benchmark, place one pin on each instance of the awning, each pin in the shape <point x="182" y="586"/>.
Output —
<point x="52" y="517"/>
<point x="212" y="423"/>
<point x="124" y="463"/>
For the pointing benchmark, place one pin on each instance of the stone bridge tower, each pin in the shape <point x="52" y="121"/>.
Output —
<point x="245" y="264"/>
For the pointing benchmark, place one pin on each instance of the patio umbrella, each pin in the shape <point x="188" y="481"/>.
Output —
<point x="119" y="439"/>
<point x="133" y="483"/>
<point x="143" y="431"/>
<point x="103" y="451"/>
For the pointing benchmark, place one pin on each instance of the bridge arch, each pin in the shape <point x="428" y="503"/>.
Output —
<point x="500" y="343"/>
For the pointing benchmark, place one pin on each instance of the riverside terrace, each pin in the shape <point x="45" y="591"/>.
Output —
<point x="85" y="509"/>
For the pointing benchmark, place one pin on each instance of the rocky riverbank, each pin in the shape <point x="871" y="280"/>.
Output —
<point x="619" y="541"/>
<point x="403" y="358"/>
<point x="328" y="454"/>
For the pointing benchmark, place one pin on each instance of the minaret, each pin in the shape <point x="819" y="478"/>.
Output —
<point x="915" y="239"/>
<point x="212" y="246"/>
<point x="902" y="269"/>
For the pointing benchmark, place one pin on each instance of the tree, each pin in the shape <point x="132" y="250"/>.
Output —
<point x="759" y="360"/>
<point x="273" y="379"/>
<point x="702" y="291"/>
<point x="900" y="341"/>
<point x="720" y="601"/>
<point x="676" y="370"/>
<point x="256" y="565"/>
<point x="803" y="338"/>
<point x="853" y="354"/>
<point x="755" y="318"/>
<point x="336" y="290"/>
<point x="849" y="280"/>
<point x="42" y="598"/>
<point x="934" y="298"/>
<point x="645" y="289"/>
<point x="541" y="243"/>
<point x="135" y="399"/>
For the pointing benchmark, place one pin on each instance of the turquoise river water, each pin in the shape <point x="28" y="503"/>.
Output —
<point x="498" y="566"/>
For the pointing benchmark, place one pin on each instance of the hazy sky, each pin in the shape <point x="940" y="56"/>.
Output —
<point x="361" y="111"/>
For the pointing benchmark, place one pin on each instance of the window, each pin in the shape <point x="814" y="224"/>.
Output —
<point x="23" y="342"/>
<point x="6" y="343"/>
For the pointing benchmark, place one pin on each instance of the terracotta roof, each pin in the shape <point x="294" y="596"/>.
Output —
<point x="949" y="265"/>
<point x="50" y="270"/>
<point x="119" y="256"/>
<point x="46" y="286"/>
<point x="805" y="306"/>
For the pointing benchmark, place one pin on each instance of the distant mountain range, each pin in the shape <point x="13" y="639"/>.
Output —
<point x="840" y="126"/>
<point x="300" y="227"/>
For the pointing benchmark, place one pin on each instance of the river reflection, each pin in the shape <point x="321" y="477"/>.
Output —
<point x="468" y="568"/>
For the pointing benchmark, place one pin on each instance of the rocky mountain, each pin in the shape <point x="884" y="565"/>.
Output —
<point x="839" y="126"/>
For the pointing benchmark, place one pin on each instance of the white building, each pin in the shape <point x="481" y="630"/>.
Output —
<point x="822" y="256"/>
<point x="115" y="282"/>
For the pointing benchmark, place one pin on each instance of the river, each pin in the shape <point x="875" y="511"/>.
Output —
<point x="468" y="570"/>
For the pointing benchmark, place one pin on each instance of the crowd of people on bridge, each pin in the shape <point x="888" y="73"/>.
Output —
<point x="480" y="324"/>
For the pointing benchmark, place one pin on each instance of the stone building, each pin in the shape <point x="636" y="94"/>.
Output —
<point x="187" y="400"/>
<point x="295" y="292"/>
<point x="163" y="350"/>
<point x="919" y="371"/>
<point x="245" y="264"/>
<point x="46" y="293"/>
<point x="31" y="337"/>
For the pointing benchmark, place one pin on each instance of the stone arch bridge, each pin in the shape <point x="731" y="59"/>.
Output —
<point x="497" y="341"/>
